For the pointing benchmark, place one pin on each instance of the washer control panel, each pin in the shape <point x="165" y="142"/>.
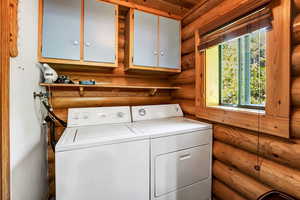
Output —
<point x="140" y="113"/>
<point x="97" y="116"/>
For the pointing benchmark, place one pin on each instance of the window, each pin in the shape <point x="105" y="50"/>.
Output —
<point x="242" y="71"/>
<point x="271" y="27"/>
<point x="236" y="72"/>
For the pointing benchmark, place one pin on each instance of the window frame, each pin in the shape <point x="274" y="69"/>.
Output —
<point x="275" y="119"/>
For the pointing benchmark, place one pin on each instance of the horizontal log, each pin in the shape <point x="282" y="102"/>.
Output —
<point x="296" y="61"/>
<point x="188" y="61"/>
<point x="295" y="123"/>
<point x="297" y="4"/>
<point x="271" y="173"/>
<point x="201" y="8"/>
<point x="188" y="46"/>
<point x="296" y="29"/>
<point x="272" y="148"/>
<point x="121" y="55"/>
<point x="220" y="15"/>
<point x="106" y="92"/>
<point x="121" y="26"/>
<point x="223" y="192"/>
<point x="77" y="102"/>
<point x="185" y="77"/>
<point x="193" y="117"/>
<point x="187" y="106"/>
<point x="121" y="79"/>
<point x="295" y="91"/>
<point x="121" y="41"/>
<point x="243" y="184"/>
<point x="186" y="91"/>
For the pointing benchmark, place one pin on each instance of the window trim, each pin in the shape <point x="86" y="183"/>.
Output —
<point x="275" y="120"/>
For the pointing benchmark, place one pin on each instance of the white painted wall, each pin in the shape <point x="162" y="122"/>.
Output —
<point x="28" y="136"/>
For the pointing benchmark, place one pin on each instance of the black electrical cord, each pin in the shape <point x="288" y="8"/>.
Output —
<point x="53" y="141"/>
<point x="63" y="123"/>
<point x="51" y="119"/>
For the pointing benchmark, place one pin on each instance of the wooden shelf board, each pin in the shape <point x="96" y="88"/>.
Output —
<point x="108" y="86"/>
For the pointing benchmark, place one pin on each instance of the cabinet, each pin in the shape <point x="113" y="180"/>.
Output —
<point x="154" y="42"/>
<point x="78" y="32"/>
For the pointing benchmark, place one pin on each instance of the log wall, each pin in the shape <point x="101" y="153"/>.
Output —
<point x="235" y="149"/>
<point x="186" y="79"/>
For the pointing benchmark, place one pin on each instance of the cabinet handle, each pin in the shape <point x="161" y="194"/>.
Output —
<point x="75" y="43"/>
<point x="185" y="157"/>
<point x="162" y="53"/>
<point x="87" y="44"/>
<point x="155" y="53"/>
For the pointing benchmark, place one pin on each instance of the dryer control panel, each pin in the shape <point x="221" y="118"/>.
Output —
<point x="99" y="115"/>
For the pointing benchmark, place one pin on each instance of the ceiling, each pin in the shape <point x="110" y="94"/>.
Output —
<point x="177" y="7"/>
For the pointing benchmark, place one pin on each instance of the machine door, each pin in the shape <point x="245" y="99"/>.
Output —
<point x="176" y="170"/>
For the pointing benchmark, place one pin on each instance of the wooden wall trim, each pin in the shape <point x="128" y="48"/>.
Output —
<point x="14" y="29"/>
<point x="276" y="119"/>
<point x="4" y="100"/>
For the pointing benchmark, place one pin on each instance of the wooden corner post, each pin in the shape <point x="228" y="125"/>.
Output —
<point x="4" y="99"/>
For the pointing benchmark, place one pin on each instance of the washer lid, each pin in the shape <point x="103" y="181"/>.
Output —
<point x="87" y="136"/>
<point x="168" y="126"/>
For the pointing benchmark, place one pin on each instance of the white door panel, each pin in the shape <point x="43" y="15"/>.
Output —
<point x="61" y="29"/>
<point x="145" y="39"/>
<point x="99" y="31"/>
<point x="180" y="169"/>
<point x="198" y="191"/>
<point x="169" y="43"/>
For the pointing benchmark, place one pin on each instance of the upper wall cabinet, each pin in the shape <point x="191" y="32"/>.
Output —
<point x="70" y="34"/>
<point x="154" y="42"/>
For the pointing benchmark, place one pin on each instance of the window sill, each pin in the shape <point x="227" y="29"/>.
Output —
<point x="244" y="110"/>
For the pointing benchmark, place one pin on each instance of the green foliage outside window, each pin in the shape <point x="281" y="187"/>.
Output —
<point x="243" y="71"/>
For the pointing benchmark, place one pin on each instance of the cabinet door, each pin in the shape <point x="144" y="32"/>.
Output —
<point x="169" y="43"/>
<point x="99" y="32"/>
<point x="145" y="51"/>
<point x="61" y="29"/>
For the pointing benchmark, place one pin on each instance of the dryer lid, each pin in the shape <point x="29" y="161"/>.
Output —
<point x="168" y="126"/>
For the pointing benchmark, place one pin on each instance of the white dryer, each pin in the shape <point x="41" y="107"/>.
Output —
<point x="99" y="157"/>
<point x="181" y="152"/>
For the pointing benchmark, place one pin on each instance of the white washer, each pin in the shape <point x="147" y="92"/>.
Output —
<point x="100" y="157"/>
<point x="181" y="152"/>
